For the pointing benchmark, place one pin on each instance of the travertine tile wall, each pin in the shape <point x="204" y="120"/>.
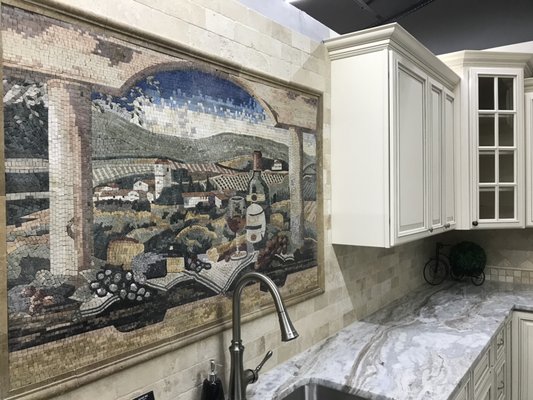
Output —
<point x="358" y="281"/>
<point x="509" y="252"/>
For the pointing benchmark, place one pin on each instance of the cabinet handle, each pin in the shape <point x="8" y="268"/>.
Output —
<point x="430" y="230"/>
<point x="475" y="223"/>
<point x="501" y="385"/>
<point x="447" y="225"/>
<point x="500" y="342"/>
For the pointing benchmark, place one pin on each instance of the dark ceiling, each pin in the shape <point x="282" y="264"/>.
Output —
<point x="441" y="25"/>
<point x="345" y="16"/>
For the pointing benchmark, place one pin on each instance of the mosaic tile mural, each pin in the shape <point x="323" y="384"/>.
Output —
<point x="138" y="183"/>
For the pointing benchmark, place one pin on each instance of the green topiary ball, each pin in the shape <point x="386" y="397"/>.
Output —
<point x="467" y="258"/>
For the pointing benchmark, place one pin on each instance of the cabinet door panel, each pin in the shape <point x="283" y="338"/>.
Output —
<point x="410" y="152"/>
<point x="486" y="391"/>
<point x="500" y="380"/>
<point x="449" y="130"/>
<point x="463" y="393"/>
<point x="436" y="165"/>
<point x="482" y="370"/>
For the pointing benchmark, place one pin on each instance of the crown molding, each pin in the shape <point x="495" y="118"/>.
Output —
<point x="528" y="85"/>
<point x="390" y="36"/>
<point x="480" y="58"/>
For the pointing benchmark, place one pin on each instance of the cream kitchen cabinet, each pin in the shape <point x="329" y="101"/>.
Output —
<point x="486" y="390"/>
<point x="502" y="363"/>
<point x="490" y="377"/>
<point x="522" y="365"/>
<point x="464" y="391"/>
<point x="490" y="140"/>
<point x="528" y="89"/>
<point x="392" y="139"/>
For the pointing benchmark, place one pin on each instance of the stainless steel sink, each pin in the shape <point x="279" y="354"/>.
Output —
<point x="317" y="392"/>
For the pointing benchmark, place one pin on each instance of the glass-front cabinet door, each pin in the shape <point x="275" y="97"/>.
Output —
<point x="498" y="143"/>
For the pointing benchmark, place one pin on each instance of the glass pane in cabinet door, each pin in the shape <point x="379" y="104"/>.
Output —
<point x="505" y="94"/>
<point x="506" y="202"/>
<point x="506" y="166"/>
<point x="487" y="203"/>
<point x="486" y="130"/>
<point x="487" y="167"/>
<point x="506" y="130"/>
<point x="486" y="93"/>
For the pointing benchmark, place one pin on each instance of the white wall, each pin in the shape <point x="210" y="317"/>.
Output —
<point x="289" y="16"/>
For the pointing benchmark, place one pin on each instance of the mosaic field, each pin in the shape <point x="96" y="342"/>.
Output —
<point x="139" y="187"/>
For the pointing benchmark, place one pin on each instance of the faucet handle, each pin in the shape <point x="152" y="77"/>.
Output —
<point x="265" y="359"/>
<point x="253" y="375"/>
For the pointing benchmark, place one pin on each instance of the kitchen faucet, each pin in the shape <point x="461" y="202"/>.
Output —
<point x="239" y="379"/>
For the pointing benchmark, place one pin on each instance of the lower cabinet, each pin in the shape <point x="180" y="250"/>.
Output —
<point x="522" y="356"/>
<point x="500" y="380"/>
<point x="464" y="392"/>
<point x="482" y="375"/>
<point x="490" y="377"/>
<point x="486" y="390"/>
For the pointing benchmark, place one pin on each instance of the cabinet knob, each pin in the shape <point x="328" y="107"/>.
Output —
<point x="430" y="230"/>
<point x="500" y="343"/>
<point x="447" y="225"/>
<point x="475" y="223"/>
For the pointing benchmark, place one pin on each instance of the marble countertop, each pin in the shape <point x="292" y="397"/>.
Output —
<point x="419" y="347"/>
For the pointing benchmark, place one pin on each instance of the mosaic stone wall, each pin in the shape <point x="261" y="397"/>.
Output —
<point x="133" y="200"/>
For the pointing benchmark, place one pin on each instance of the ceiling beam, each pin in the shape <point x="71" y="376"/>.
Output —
<point x="405" y="12"/>
<point x="364" y="5"/>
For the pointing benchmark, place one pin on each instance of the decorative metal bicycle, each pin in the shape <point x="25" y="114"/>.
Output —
<point x="465" y="259"/>
<point x="437" y="268"/>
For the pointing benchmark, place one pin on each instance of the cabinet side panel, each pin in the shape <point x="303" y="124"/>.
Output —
<point x="529" y="156"/>
<point x="359" y="150"/>
<point x="522" y="355"/>
<point x="526" y="361"/>
<point x="462" y="147"/>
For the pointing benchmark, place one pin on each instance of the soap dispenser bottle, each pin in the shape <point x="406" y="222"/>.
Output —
<point x="212" y="388"/>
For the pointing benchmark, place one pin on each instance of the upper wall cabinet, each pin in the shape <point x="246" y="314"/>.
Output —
<point x="490" y="141"/>
<point x="392" y="139"/>
<point x="528" y="89"/>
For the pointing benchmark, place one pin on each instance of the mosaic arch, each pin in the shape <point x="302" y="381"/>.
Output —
<point x="139" y="187"/>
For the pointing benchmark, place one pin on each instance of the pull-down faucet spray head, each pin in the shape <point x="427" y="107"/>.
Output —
<point x="288" y="331"/>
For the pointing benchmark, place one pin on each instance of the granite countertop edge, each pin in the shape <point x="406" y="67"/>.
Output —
<point x="420" y="347"/>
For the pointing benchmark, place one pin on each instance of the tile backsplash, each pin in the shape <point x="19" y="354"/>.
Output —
<point x="509" y="252"/>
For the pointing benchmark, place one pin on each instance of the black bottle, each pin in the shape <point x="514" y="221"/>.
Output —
<point x="212" y="388"/>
